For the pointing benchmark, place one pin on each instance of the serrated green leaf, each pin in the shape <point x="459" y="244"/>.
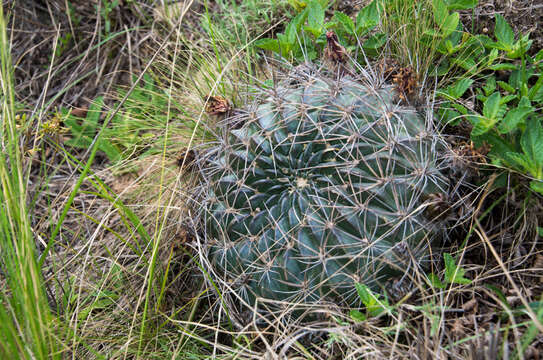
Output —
<point x="448" y="47"/>
<point x="94" y="112"/>
<point x="357" y="316"/>
<point x="460" y="87"/>
<point x="453" y="273"/>
<point x="440" y="12"/>
<point x="430" y="35"/>
<point x="461" y="109"/>
<point x="489" y="86"/>
<point x="374" y="305"/>
<point x="467" y="63"/>
<point x="514" y="118"/>
<point x="503" y="31"/>
<point x="299" y="20"/>
<point x="499" y="147"/>
<point x="285" y="47"/>
<point x="492" y="106"/>
<point x="450" y="24"/>
<point x="531" y="143"/>
<point x="346" y="22"/>
<point x="519" y="160"/>
<point x="315" y="15"/>
<point x="505" y="86"/>
<point x="451" y="117"/>
<point x="268" y="44"/>
<point x="363" y="293"/>
<point x="506" y="67"/>
<point x="520" y="47"/>
<point x="435" y="281"/>
<point x="375" y="41"/>
<point x="506" y="99"/>
<point x="536" y="92"/>
<point x="367" y="18"/>
<point x="111" y="151"/>
<point x="492" y="56"/>
<point x="290" y="33"/>
<point x="480" y="125"/>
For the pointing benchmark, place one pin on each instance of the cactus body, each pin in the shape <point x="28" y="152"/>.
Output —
<point x="325" y="184"/>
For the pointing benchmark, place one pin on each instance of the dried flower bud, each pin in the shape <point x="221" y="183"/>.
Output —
<point x="217" y="105"/>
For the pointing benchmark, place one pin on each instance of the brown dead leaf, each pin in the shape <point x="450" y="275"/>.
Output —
<point x="217" y="105"/>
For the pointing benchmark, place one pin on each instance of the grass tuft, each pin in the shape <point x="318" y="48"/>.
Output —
<point x="28" y="327"/>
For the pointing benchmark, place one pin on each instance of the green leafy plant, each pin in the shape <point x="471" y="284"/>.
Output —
<point x="105" y="10"/>
<point x="509" y="119"/>
<point x="530" y="159"/>
<point x="454" y="274"/>
<point x="425" y="34"/>
<point x="447" y="22"/>
<point x="64" y="44"/>
<point x="305" y="35"/>
<point x="506" y="39"/>
<point x="84" y="130"/>
<point x="324" y="185"/>
<point x="374" y="304"/>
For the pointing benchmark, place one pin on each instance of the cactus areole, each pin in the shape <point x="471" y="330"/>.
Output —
<point x="325" y="184"/>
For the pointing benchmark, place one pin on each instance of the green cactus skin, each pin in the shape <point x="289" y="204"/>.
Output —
<point x="325" y="184"/>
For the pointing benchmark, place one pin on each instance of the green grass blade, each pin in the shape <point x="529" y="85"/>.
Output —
<point x="26" y="323"/>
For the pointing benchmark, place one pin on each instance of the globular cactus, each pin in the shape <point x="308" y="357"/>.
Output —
<point x="321" y="183"/>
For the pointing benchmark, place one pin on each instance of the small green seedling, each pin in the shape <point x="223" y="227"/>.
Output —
<point x="84" y="130"/>
<point x="374" y="304"/>
<point x="105" y="11"/>
<point x="454" y="274"/>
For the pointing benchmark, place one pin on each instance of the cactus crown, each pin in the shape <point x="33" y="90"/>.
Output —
<point x="326" y="183"/>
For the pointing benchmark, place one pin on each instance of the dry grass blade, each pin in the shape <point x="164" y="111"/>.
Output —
<point x="533" y="316"/>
